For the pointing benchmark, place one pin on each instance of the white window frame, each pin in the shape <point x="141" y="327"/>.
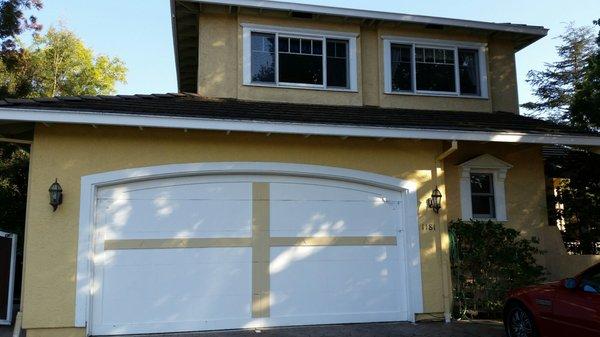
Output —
<point x="388" y="41"/>
<point x="248" y="29"/>
<point x="490" y="165"/>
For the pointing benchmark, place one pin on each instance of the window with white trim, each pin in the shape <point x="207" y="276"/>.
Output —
<point x="435" y="68"/>
<point x="483" y="202"/>
<point x="275" y="56"/>
<point x="482" y="190"/>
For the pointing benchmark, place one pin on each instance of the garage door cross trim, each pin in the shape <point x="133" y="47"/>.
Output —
<point x="260" y="242"/>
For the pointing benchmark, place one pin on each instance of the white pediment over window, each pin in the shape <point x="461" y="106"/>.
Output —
<point x="494" y="171"/>
<point x="486" y="161"/>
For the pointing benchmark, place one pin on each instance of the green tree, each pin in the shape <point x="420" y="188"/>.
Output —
<point x="64" y="66"/>
<point x="554" y="87"/>
<point x="13" y="20"/>
<point x="585" y="109"/>
<point x="14" y="165"/>
<point x="579" y="193"/>
<point x="15" y="72"/>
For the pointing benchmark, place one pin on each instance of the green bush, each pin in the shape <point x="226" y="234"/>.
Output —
<point x="487" y="261"/>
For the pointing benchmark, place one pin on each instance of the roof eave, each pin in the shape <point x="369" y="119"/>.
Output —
<point x="210" y="124"/>
<point x="387" y="16"/>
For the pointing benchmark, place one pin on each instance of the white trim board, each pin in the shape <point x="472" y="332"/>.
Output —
<point x="90" y="184"/>
<point x="192" y="123"/>
<point x="369" y="14"/>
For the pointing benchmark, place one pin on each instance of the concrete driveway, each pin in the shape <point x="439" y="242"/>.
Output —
<point x="458" y="329"/>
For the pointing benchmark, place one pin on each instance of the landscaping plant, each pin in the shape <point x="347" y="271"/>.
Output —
<point x="487" y="261"/>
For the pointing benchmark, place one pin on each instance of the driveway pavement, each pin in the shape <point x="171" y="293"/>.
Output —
<point x="458" y="329"/>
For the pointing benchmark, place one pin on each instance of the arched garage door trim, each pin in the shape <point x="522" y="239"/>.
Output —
<point x="90" y="184"/>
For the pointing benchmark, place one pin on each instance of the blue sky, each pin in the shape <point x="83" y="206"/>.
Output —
<point x="139" y="32"/>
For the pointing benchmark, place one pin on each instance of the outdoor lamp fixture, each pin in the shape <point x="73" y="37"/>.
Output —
<point x="56" y="195"/>
<point x="435" y="202"/>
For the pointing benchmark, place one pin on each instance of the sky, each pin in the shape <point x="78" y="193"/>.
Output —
<point x="139" y="31"/>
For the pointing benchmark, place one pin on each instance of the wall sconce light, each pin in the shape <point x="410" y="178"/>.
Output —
<point x="435" y="202"/>
<point x="56" y="195"/>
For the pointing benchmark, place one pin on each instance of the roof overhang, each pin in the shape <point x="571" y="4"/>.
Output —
<point x="185" y="27"/>
<point x="227" y="125"/>
<point x="377" y="15"/>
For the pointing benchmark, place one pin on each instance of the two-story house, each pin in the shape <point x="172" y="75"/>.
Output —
<point x="305" y="175"/>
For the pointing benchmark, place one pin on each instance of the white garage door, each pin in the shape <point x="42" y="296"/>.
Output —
<point x="240" y="251"/>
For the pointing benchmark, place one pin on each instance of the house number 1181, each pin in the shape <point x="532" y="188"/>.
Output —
<point x="428" y="228"/>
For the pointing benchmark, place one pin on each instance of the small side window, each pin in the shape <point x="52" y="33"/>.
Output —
<point x="337" y="63"/>
<point x="401" y="67"/>
<point x="482" y="196"/>
<point x="263" y="57"/>
<point x="468" y="69"/>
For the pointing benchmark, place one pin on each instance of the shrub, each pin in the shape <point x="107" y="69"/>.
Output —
<point x="487" y="261"/>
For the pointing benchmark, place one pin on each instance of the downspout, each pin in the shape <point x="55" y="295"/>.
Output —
<point x="444" y="256"/>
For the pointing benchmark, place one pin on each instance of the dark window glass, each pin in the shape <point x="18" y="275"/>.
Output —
<point x="317" y="47"/>
<point x="482" y="195"/>
<point x="294" y="45"/>
<point x="263" y="57"/>
<point x="306" y="46"/>
<point x="337" y="63"/>
<point x="301" y="64"/>
<point x="401" y="68"/>
<point x="468" y="68"/>
<point x="435" y="70"/>
<point x="284" y="44"/>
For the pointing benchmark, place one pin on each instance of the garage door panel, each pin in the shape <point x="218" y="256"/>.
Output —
<point x="195" y="282"/>
<point x="336" y="303"/>
<point x="320" y="268"/>
<point x="189" y="309"/>
<point x="176" y="257"/>
<point x="196" y="210"/>
<point x="322" y="210"/>
<point x="139" y="280"/>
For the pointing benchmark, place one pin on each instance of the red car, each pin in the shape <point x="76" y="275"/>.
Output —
<point x="568" y="308"/>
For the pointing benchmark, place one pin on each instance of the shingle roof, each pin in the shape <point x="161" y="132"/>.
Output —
<point x="194" y="106"/>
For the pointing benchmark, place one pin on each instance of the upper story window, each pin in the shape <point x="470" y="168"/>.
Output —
<point x="282" y="57"/>
<point x="435" y="68"/>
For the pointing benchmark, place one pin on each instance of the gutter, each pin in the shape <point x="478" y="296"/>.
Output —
<point x="313" y="129"/>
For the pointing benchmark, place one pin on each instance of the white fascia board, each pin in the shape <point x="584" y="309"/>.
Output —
<point x="178" y="122"/>
<point x="368" y="14"/>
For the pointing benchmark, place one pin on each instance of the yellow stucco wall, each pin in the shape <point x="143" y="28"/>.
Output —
<point x="69" y="152"/>
<point x="221" y="55"/>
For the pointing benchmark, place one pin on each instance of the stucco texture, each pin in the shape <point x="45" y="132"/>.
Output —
<point x="221" y="70"/>
<point x="70" y="152"/>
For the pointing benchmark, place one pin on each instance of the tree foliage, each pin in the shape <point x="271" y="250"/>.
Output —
<point x="59" y="64"/>
<point x="579" y="193"/>
<point x="585" y="109"/>
<point x="555" y="86"/>
<point x="13" y="20"/>
<point x="487" y="261"/>
<point x="14" y="166"/>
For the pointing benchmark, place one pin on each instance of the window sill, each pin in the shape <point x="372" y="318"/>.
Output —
<point x="442" y="95"/>
<point x="489" y="219"/>
<point x="281" y="86"/>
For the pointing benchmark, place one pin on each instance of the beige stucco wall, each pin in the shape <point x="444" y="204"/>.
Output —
<point x="70" y="152"/>
<point x="221" y="55"/>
